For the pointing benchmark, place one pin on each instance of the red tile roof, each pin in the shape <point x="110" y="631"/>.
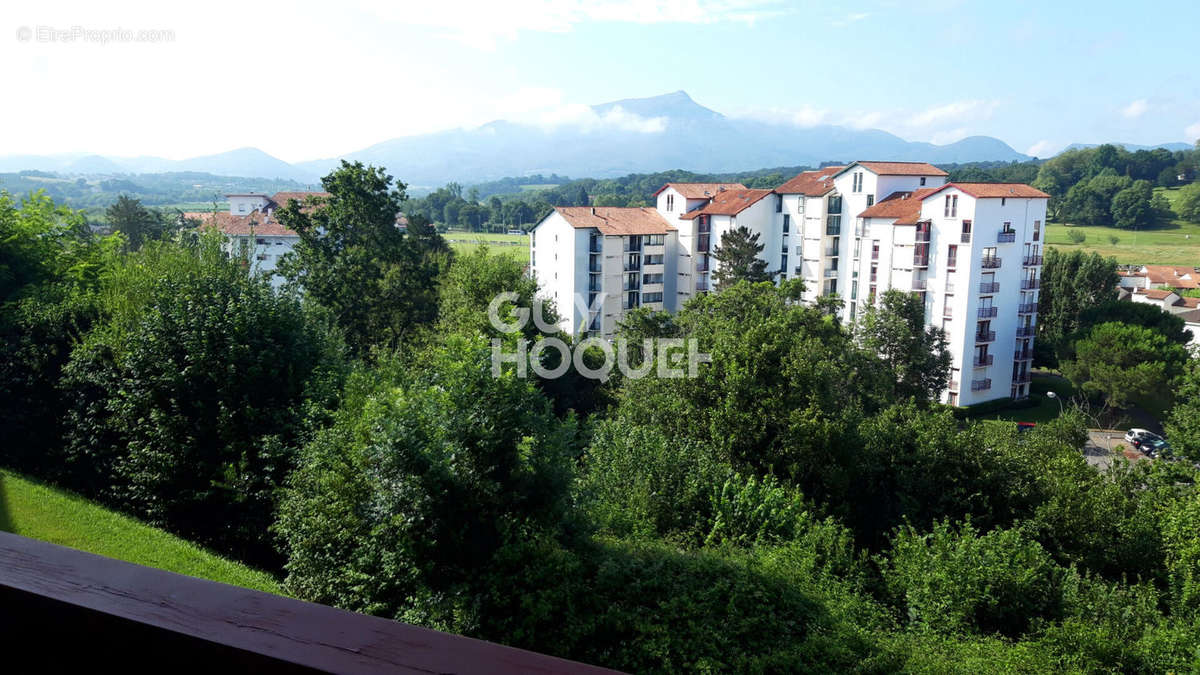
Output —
<point x="1178" y="277"/>
<point x="281" y="198"/>
<point x="728" y="203"/>
<point x="1188" y="302"/>
<point x="616" y="220"/>
<point x="1153" y="293"/>
<point x="810" y="183"/>
<point x="997" y="190"/>
<point x="905" y="207"/>
<point x="901" y="168"/>
<point x="256" y="223"/>
<point x="700" y="190"/>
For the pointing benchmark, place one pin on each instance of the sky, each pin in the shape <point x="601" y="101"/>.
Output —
<point x="307" y="80"/>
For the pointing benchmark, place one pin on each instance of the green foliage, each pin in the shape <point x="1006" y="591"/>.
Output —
<point x="1188" y="203"/>
<point x="1071" y="284"/>
<point x="137" y="223"/>
<point x="917" y="355"/>
<point x="957" y="579"/>
<point x="737" y="259"/>
<point x="186" y="403"/>
<point x="1131" y="207"/>
<point x="1183" y="423"/>
<point x="431" y="468"/>
<point x="1076" y="236"/>
<point x="377" y="282"/>
<point x="1126" y="365"/>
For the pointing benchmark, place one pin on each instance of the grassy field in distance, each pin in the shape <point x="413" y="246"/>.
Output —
<point x="38" y="511"/>
<point x="1175" y="243"/>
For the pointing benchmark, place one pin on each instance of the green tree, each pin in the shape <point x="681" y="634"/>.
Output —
<point x="917" y="355"/>
<point x="737" y="258"/>
<point x="1131" y="207"/>
<point x="1125" y="365"/>
<point x="378" y="283"/>
<point x="138" y="223"/>
<point x="1187" y="205"/>
<point x="1071" y="283"/>
<point x="1183" y="423"/>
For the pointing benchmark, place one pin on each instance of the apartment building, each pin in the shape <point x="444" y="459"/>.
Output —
<point x="971" y="251"/>
<point x="250" y="228"/>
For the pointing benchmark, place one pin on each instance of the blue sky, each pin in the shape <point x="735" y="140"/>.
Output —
<point x="313" y="79"/>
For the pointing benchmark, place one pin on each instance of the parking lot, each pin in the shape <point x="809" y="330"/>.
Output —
<point x="1102" y="447"/>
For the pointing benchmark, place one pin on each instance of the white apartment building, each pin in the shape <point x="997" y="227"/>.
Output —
<point x="251" y="227"/>
<point x="972" y="251"/>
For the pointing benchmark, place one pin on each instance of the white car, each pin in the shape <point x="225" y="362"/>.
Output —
<point x="1146" y="441"/>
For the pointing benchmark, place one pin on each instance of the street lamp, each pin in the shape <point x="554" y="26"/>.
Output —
<point x="1056" y="398"/>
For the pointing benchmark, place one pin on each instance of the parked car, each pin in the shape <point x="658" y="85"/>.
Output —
<point x="1148" y="442"/>
<point x="1159" y="449"/>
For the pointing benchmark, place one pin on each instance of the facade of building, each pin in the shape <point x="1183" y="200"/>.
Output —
<point x="971" y="251"/>
<point x="251" y="229"/>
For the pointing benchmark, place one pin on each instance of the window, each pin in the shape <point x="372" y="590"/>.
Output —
<point x="874" y="249"/>
<point x="857" y="182"/>
<point x="787" y="222"/>
<point x="654" y="239"/>
<point x="951" y="210"/>
<point x="1008" y="224"/>
<point x="952" y="255"/>
<point x="656" y="259"/>
<point x="870" y="200"/>
<point x="260" y="242"/>
<point x="783" y="262"/>
<point x="835" y="205"/>
<point x="1037" y="228"/>
<point x="652" y="278"/>
<point x="952" y="399"/>
<point x="670" y="202"/>
<point x="922" y="180"/>
<point x="652" y="297"/>
<point x="853" y="290"/>
<point x="833" y="225"/>
<point x="778" y="203"/>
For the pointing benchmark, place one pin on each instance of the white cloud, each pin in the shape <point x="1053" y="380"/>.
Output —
<point x="1043" y="148"/>
<point x="1193" y="132"/>
<point x="957" y="111"/>
<point x="1135" y="109"/>
<point x="551" y="112"/>
<point x="484" y="23"/>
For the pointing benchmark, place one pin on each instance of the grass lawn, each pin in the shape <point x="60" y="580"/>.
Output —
<point x="34" y="510"/>
<point x="507" y="239"/>
<point x="1175" y="243"/>
<point x="1046" y="408"/>
<point x="519" y="253"/>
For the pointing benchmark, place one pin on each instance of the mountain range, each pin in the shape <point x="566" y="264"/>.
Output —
<point x="670" y="131"/>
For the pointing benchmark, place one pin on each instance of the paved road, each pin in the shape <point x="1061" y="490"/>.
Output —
<point x="1101" y="446"/>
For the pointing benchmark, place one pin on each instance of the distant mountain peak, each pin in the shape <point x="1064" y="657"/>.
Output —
<point x="677" y="105"/>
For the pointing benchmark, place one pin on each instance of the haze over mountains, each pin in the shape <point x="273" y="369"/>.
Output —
<point x="610" y="139"/>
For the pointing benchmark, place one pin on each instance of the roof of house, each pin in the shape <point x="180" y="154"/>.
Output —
<point x="1179" y="277"/>
<point x="256" y="223"/>
<point x="905" y="207"/>
<point x="616" y="220"/>
<point x="1190" y="316"/>
<point x="810" y="183"/>
<point x="728" y="203"/>
<point x="281" y="198"/>
<point x="899" y="168"/>
<point x="1153" y="293"/>
<point x="700" y="190"/>
<point x="1192" y="303"/>
<point x="997" y="190"/>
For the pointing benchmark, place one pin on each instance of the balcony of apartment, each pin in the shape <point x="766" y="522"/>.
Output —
<point x="952" y="385"/>
<point x="987" y="312"/>
<point x="633" y="265"/>
<point x="947" y="312"/>
<point x="985" y="336"/>
<point x="594" y="283"/>
<point x="920" y="260"/>
<point x="833" y="230"/>
<point x="1031" y="284"/>
<point x="1032" y="260"/>
<point x="631" y="285"/>
<point x="989" y="287"/>
<point x="983" y="361"/>
<point x="594" y="265"/>
<point x="702" y="285"/>
<point x="1006" y="237"/>
<point x="920" y="284"/>
<point x="1023" y="355"/>
<point x="831" y="251"/>
<point x="830" y="273"/>
<point x="951" y="262"/>
<point x="70" y="611"/>
<point x="628" y="304"/>
<point x="1027" y="308"/>
<point x="1026" y="331"/>
<point x="632" y="247"/>
<point x="949" y="288"/>
<point x="990" y="262"/>
<point x="921" y="237"/>
<point x="981" y="385"/>
<point x="595" y="245"/>
<point x="1022" y="378"/>
<point x="966" y="238"/>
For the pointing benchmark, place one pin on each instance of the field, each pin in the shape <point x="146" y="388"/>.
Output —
<point x="37" y="511"/>
<point x="512" y="245"/>
<point x="1176" y="243"/>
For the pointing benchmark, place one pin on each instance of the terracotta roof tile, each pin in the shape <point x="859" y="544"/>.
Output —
<point x="1153" y="293"/>
<point x="902" y="168"/>
<point x="997" y="190"/>
<point x="810" y="183"/>
<point x="1178" y="277"/>
<point x="256" y="222"/>
<point x="616" y="220"/>
<point x="728" y="203"/>
<point x="905" y="207"/>
<point x="700" y="190"/>
<point x="281" y="198"/>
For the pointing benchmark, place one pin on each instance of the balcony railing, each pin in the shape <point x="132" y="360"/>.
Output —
<point x="594" y="266"/>
<point x="1021" y="378"/>
<point x="1006" y="237"/>
<point x="920" y="260"/>
<point x="1032" y="260"/>
<point x="990" y="263"/>
<point x="966" y="237"/>
<point x="951" y="263"/>
<point x="71" y="611"/>
<point x="1023" y="355"/>
<point x="984" y="362"/>
<point x="1030" y="284"/>
<point x="830" y="251"/>
<point x="981" y="385"/>
<point x="631" y="285"/>
<point x="874" y="255"/>
<point x="633" y="266"/>
<point x="595" y="246"/>
<point x="920" y="284"/>
<point x="833" y="230"/>
<point x="989" y="287"/>
<point x="985" y="336"/>
<point x="949" y="287"/>
<point x="988" y="312"/>
<point x="947" y="312"/>
<point x="830" y="273"/>
<point x="922" y="237"/>
<point x="1027" y="308"/>
<point x="953" y="385"/>
<point x="702" y="285"/>
<point x="1026" y="331"/>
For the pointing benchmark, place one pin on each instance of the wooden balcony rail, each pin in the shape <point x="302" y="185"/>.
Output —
<point x="989" y="287"/>
<point x="67" y="610"/>
<point x="988" y="312"/>
<point x="1006" y="237"/>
